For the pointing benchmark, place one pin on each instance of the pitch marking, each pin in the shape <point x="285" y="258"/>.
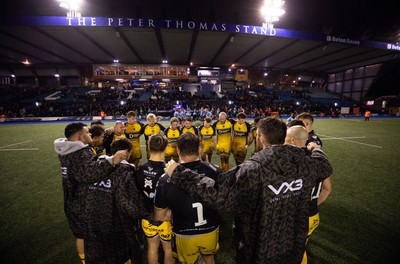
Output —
<point x="352" y="141"/>
<point x="340" y="138"/>
<point x="18" y="149"/>
<point x="15" y="144"/>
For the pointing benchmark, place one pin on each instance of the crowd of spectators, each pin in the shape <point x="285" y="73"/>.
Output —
<point x="85" y="101"/>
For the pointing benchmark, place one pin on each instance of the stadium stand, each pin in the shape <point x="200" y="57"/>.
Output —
<point x="88" y="101"/>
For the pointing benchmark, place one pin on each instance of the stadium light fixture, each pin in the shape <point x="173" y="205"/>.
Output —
<point x="12" y="76"/>
<point x="72" y="7"/>
<point x="272" y="10"/>
<point x="26" y="62"/>
<point x="57" y="75"/>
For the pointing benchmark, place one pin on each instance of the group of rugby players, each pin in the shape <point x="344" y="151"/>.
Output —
<point x="121" y="199"/>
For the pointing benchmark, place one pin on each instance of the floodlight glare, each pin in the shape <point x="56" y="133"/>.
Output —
<point x="272" y="10"/>
<point x="69" y="4"/>
<point x="72" y="7"/>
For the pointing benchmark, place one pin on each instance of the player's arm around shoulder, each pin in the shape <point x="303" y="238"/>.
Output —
<point x="247" y="173"/>
<point x="319" y="163"/>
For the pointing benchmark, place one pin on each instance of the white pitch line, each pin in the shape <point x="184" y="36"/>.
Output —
<point x="19" y="149"/>
<point x="15" y="144"/>
<point x="328" y="138"/>
<point x="352" y="141"/>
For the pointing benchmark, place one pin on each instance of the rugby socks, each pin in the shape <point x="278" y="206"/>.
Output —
<point x="82" y="256"/>
<point x="224" y="165"/>
<point x="304" y="260"/>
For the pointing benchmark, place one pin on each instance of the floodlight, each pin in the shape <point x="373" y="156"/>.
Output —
<point x="272" y="10"/>
<point x="72" y="7"/>
<point x="70" y="4"/>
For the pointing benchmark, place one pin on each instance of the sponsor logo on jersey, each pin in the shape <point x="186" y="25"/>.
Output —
<point x="287" y="186"/>
<point x="102" y="186"/>
<point x="286" y="190"/>
<point x="64" y="172"/>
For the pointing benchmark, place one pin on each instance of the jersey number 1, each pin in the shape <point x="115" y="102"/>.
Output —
<point x="200" y="219"/>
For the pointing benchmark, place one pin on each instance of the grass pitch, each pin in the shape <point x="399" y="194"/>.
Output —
<point x="360" y="221"/>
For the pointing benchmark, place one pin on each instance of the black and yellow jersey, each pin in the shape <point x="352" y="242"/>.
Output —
<point x="223" y="131"/>
<point x="254" y="132"/>
<point x="115" y="137"/>
<point x="99" y="150"/>
<point x="192" y="130"/>
<point x="190" y="216"/>
<point x="241" y="131"/>
<point x="109" y="140"/>
<point x="148" y="175"/>
<point x="312" y="137"/>
<point x="206" y="133"/>
<point x="172" y="135"/>
<point x="133" y="131"/>
<point x="151" y="130"/>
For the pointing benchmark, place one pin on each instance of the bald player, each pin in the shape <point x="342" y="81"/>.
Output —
<point x="118" y="132"/>
<point x="298" y="136"/>
<point x="223" y="130"/>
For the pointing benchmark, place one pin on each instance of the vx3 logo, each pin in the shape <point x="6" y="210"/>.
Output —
<point x="286" y="186"/>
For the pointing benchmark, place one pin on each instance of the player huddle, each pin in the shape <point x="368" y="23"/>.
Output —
<point x="115" y="206"/>
<point x="224" y="136"/>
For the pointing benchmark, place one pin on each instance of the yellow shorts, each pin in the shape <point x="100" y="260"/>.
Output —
<point x="313" y="223"/>
<point x="207" y="147"/>
<point x="171" y="151"/>
<point x="239" y="152"/>
<point x="136" y="152"/>
<point x="187" y="249"/>
<point x="238" y="148"/>
<point x="224" y="148"/>
<point x="164" y="231"/>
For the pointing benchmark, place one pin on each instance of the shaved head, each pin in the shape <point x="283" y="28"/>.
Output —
<point x="296" y="135"/>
